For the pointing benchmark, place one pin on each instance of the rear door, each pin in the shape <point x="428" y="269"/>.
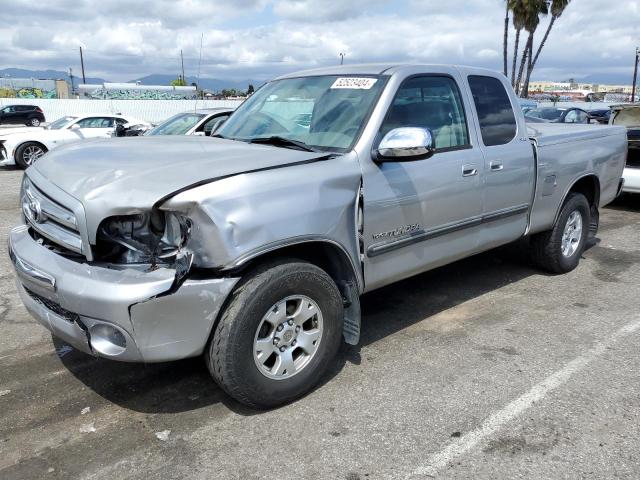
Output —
<point x="508" y="160"/>
<point x="95" y="127"/>
<point x="424" y="213"/>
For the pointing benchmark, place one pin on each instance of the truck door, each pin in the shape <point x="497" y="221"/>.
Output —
<point x="509" y="163"/>
<point x="424" y="213"/>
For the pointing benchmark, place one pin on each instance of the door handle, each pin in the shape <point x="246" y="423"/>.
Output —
<point x="469" y="170"/>
<point x="496" y="166"/>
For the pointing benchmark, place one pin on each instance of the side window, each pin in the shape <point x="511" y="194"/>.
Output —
<point x="212" y="124"/>
<point x="571" y="117"/>
<point x="582" y="117"/>
<point x="431" y="102"/>
<point x="497" y="121"/>
<point x="121" y="121"/>
<point x="8" y="109"/>
<point x="96" y="122"/>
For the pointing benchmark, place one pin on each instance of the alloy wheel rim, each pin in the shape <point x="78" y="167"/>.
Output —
<point x="35" y="122"/>
<point x="572" y="234"/>
<point x="31" y="154"/>
<point x="288" y="337"/>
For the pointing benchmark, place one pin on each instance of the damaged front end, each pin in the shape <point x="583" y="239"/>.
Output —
<point x="149" y="240"/>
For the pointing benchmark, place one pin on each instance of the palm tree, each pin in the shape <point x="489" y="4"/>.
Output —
<point x="557" y="9"/>
<point x="518" y="10"/>
<point x="531" y="20"/>
<point x="505" y="43"/>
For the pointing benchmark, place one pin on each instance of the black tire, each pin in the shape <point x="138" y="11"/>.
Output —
<point x="546" y="247"/>
<point x="20" y="153"/>
<point x="230" y="355"/>
<point x="33" y="122"/>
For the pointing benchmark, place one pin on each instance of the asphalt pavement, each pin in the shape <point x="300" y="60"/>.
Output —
<point x="484" y="369"/>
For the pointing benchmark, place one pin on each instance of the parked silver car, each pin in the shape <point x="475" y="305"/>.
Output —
<point x="253" y="247"/>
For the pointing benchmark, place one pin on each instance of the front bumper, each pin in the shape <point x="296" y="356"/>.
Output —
<point x="631" y="178"/>
<point x="89" y="306"/>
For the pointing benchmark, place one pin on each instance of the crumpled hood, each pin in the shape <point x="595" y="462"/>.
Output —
<point x="124" y="175"/>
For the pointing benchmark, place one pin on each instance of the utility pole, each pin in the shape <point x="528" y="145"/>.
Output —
<point x="84" y="80"/>
<point x="635" y="76"/>
<point x="341" y="58"/>
<point x="182" y="60"/>
<point x="71" y="78"/>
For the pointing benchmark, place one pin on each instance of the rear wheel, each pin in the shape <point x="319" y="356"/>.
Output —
<point x="34" y="122"/>
<point x="559" y="250"/>
<point x="28" y="153"/>
<point x="278" y="335"/>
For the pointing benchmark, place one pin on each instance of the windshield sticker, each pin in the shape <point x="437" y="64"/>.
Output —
<point x="358" y="83"/>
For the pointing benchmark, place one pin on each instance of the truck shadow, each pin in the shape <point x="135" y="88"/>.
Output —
<point x="186" y="385"/>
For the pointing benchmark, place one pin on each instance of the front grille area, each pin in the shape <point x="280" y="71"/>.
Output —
<point x="50" y="219"/>
<point x="54" y="307"/>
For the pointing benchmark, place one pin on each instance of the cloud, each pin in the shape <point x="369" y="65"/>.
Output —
<point x="260" y="39"/>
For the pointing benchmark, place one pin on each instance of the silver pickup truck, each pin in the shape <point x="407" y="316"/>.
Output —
<point x="252" y="247"/>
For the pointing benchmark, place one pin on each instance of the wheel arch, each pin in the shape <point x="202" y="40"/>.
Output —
<point x="334" y="259"/>
<point x="589" y="186"/>
<point x="17" y="147"/>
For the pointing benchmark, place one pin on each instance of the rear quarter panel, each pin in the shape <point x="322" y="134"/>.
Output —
<point x="567" y="153"/>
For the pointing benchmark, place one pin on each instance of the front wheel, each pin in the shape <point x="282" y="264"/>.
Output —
<point x="559" y="250"/>
<point x="28" y="153"/>
<point x="278" y="335"/>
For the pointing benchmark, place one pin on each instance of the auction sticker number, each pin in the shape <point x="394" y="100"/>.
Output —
<point x="358" y="83"/>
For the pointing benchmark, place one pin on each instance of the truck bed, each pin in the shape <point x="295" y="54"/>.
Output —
<point x="546" y="134"/>
<point x="566" y="153"/>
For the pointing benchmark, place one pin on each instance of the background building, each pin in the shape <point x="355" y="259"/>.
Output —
<point x="33" y="88"/>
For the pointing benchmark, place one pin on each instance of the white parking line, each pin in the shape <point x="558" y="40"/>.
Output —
<point x="496" y="421"/>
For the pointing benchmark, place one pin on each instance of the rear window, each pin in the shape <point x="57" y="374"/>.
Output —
<point x="497" y="121"/>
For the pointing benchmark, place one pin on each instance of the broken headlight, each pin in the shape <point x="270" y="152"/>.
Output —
<point x="155" y="238"/>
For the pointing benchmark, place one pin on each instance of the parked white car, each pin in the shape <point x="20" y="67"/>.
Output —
<point x="22" y="147"/>
<point x="197" y="122"/>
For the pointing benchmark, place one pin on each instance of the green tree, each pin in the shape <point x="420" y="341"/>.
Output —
<point x="178" y="82"/>
<point x="531" y="19"/>
<point x="518" y="11"/>
<point x="505" y="42"/>
<point x="557" y="9"/>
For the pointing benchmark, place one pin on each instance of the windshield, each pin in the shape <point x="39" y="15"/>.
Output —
<point x="177" y="125"/>
<point x="324" y="112"/>
<point x="60" y="123"/>
<point x="545" y="113"/>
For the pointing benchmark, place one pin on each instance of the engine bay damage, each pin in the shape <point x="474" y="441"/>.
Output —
<point x="151" y="239"/>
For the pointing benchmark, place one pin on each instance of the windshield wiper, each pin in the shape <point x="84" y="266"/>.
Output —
<point x="283" y="142"/>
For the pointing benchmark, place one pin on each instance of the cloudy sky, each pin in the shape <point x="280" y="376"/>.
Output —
<point x="258" y="39"/>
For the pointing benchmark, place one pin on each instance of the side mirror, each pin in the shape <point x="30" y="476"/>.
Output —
<point x="199" y="134"/>
<point x="405" y="144"/>
<point x="75" y="126"/>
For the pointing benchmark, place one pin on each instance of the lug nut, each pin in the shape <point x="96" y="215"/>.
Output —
<point x="276" y="340"/>
<point x="293" y="344"/>
<point x="282" y="349"/>
<point x="280" y="327"/>
<point x="297" y="328"/>
<point x="290" y="322"/>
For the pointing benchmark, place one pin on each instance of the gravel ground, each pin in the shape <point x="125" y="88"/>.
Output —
<point x="486" y="368"/>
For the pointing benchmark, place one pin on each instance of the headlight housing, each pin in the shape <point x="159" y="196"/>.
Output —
<point x="154" y="238"/>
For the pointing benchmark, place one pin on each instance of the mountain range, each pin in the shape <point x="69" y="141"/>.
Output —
<point x="212" y="84"/>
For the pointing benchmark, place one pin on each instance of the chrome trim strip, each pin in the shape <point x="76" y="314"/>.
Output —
<point x="58" y="235"/>
<point x="32" y="274"/>
<point x="423" y="235"/>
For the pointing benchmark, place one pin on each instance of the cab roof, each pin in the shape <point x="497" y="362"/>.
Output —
<point x="378" y="69"/>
